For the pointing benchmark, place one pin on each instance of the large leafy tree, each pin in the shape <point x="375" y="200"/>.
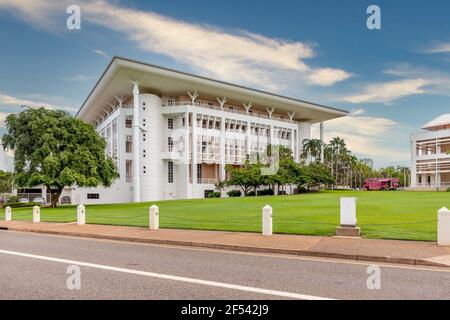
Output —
<point x="56" y="150"/>
<point x="246" y="177"/>
<point x="6" y="181"/>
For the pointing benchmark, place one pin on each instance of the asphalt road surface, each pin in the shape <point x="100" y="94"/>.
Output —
<point x="37" y="266"/>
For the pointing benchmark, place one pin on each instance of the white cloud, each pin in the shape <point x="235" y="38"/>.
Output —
<point x="101" y="52"/>
<point x="328" y="76"/>
<point x="439" y="48"/>
<point x="238" y="56"/>
<point x="78" y="77"/>
<point x="357" y="112"/>
<point x="366" y="136"/>
<point x="411" y="80"/>
<point x="388" y="91"/>
<point x="19" y="101"/>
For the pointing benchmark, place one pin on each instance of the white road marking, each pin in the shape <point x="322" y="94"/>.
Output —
<point x="257" y="254"/>
<point x="283" y="294"/>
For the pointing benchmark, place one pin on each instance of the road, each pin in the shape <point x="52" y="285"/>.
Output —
<point x="35" y="266"/>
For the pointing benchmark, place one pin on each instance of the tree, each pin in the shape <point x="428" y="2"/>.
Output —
<point x="56" y="150"/>
<point x="245" y="177"/>
<point x="312" y="175"/>
<point x="6" y="181"/>
<point x="220" y="185"/>
<point x="311" y="148"/>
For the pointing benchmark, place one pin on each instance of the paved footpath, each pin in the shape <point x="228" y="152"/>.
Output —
<point x="388" y="251"/>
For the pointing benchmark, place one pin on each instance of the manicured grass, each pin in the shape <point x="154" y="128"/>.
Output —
<point x="387" y="215"/>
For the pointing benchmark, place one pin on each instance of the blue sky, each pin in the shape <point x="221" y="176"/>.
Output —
<point x="393" y="80"/>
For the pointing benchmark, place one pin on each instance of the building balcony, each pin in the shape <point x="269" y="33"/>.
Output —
<point x="433" y="156"/>
<point x="205" y="180"/>
<point x="227" y="108"/>
<point x="171" y="155"/>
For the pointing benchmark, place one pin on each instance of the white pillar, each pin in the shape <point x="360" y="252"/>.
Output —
<point x="291" y="141"/>
<point x="222" y="149"/>
<point x="267" y="220"/>
<point x="248" y="137"/>
<point x="8" y="213"/>
<point x="194" y="153"/>
<point x="444" y="227"/>
<point x="154" y="217"/>
<point x="136" y="145"/>
<point x="81" y="215"/>
<point x="36" y="214"/>
<point x="413" y="182"/>
<point x="322" y="139"/>
<point x="348" y="211"/>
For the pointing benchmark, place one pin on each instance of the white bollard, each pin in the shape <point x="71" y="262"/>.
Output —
<point x="81" y="215"/>
<point x="8" y="213"/>
<point x="267" y="220"/>
<point x="348" y="212"/>
<point x="348" y="226"/>
<point x="36" y="214"/>
<point x="444" y="227"/>
<point x="154" y="217"/>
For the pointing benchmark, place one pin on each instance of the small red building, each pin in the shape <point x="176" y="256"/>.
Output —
<point x="379" y="184"/>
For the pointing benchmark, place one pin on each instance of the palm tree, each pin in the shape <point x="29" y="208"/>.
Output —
<point x="311" y="148"/>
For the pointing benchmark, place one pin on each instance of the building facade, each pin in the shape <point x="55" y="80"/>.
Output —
<point x="172" y="134"/>
<point x="430" y="155"/>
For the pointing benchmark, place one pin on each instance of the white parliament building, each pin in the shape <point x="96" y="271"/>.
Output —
<point x="430" y="155"/>
<point x="150" y="115"/>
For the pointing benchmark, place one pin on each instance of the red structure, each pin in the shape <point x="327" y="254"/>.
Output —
<point x="379" y="184"/>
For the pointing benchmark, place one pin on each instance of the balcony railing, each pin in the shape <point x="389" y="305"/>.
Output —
<point x="205" y="180"/>
<point x="228" y="109"/>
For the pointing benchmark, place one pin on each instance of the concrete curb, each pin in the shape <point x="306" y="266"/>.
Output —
<point x="306" y="253"/>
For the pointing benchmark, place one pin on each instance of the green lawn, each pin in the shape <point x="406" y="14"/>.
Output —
<point x="388" y="215"/>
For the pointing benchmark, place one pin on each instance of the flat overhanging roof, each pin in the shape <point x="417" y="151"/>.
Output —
<point x="117" y="79"/>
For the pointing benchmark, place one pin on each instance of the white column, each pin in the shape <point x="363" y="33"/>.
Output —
<point x="291" y="131"/>
<point x="271" y="132"/>
<point x="248" y="137"/>
<point x="194" y="152"/>
<point x="81" y="215"/>
<point x="186" y="150"/>
<point x="136" y="146"/>
<point x="295" y="141"/>
<point x="413" y="182"/>
<point x="154" y="217"/>
<point x="36" y="214"/>
<point x="443" y="227"/>
<point x="267" y="221"/>
<point x="222" y="148"/>
<point x="8" y="213"/>
<point x="322" y="139"/>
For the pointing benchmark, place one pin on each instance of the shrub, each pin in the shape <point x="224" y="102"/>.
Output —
<point x="301" y="190"/>
<point x="448" y="189"/>
<point x="214" y="194"/>
<point x="266" y="192"/>
<point x="21" y="204"/>
<point x="13" y="199"/>
<point x="251" y="194"/>
<point x="234" y="193"/>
